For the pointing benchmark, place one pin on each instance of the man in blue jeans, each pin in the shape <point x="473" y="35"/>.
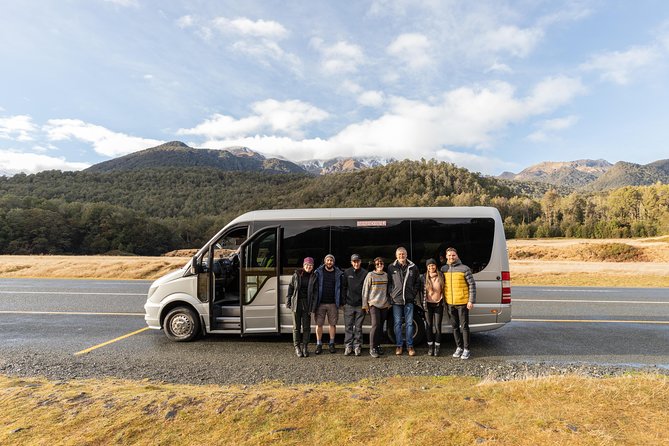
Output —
<point x="404" y="284"/>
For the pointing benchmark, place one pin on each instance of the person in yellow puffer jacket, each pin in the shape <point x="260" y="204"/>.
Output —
<point x="460" y="296"/>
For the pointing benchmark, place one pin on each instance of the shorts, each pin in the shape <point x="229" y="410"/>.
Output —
<point x="327" y="309"/>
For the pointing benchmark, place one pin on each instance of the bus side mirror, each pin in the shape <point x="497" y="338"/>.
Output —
<point x="196" y="267"/>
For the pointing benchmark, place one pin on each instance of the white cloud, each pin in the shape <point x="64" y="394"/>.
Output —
<point x="125" y="3"/>
<point x="18" y="128"/>
<point x="13" y="162"/>
<point x="371" y="99"/>
<point x="287" y="118"/>
<point x="258" y="39"/>
<point x="462" y="118"/>
<point x="103" y="140"/>
<point x="413" y="49"/>
<point x="260" y="28"/>
<point x="549" y="127"/>
<point x="620" y="66"/>
<point x="499" y="68"/>
<point x="511" y="39"/>
<point x="340" y="58"/>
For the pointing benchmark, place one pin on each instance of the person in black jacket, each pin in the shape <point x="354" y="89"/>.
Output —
<point x="404" y="285"/>
<point x="354" y="277"/>
<point x="299" y="302"/>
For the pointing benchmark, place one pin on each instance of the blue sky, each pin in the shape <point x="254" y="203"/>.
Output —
<point x="487" y="85"/>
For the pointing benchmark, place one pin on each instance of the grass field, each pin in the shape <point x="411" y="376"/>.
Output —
<point x="563" y="262"/>
<point x="569" y="410"/>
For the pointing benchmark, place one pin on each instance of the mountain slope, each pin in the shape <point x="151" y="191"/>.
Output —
<point x="631" y="174"/>
<point x="178" y="154"/>
<point x="572" y="174"/>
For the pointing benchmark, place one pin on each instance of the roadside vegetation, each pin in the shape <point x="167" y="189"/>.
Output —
<point x="155" y="210"/>
<point x="572" y="410"/>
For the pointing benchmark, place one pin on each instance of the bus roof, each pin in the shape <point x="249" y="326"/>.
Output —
<point x="366" y="213"/>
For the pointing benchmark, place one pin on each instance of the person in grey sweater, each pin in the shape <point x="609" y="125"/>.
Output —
<point x="375" y="301"/>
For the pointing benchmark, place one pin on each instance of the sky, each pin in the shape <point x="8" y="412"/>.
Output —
<point x="491" y="86"/>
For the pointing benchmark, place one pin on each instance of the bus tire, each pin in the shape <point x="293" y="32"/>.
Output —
<point x="181" y="325"/>
<point x="419" y="332"/>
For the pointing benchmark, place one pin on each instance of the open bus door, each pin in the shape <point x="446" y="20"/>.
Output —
<point x="259" y="281"/>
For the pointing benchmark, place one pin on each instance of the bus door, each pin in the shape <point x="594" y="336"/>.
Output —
<point x="259" y="282"/>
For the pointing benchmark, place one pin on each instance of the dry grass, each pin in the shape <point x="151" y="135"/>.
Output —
<point x="88" y="267"/>
<point x="455" y="410"/>
<point x="557" y="262"/>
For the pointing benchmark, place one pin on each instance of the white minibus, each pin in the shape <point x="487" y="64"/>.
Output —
<point x="238" y="282"/>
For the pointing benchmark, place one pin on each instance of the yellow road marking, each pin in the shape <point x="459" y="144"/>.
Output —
<point x="592" y="321"/>
<point x="110" y="342"/>
<point x="70" y="313"/>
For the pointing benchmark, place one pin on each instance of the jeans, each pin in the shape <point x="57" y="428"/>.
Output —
<point x="301" y="319"/>
<point x="353" y="317"/>
<point x="460" y="318"/>
<point x="435" y="314"/>
<point x="405" y="310"/>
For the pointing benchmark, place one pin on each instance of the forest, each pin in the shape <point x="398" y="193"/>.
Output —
<point x="156" y="210"/>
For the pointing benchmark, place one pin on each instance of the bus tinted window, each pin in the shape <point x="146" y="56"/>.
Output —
<point x="471" y="237"/>
<point x="369" y="238"/>
<point x="304" y="239"/>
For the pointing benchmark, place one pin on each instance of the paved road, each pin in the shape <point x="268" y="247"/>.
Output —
<point x="48" y="327"/>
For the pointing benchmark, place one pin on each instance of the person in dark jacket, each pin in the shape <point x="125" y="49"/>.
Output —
<point x="327" y="292"/>
<point x="299" y="301"/>
<point x="354" y="277"/>
<point x="405" y="285"/>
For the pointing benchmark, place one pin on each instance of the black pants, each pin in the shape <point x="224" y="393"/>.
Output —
<point x="301" y="319"/>
<point x="375" y="332"/>
<point x="460" y="323"/>
<point x="435" y="314"/>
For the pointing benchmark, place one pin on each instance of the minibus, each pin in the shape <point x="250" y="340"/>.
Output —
<point x="237" y="283"/>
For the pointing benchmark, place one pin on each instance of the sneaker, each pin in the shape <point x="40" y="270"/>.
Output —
<point x="319" y="349"/>
<point x="331" y="348"/>
<point x="398" y="351"/>
<point x="357" y="351"/>
<point x="458" y="352"/>
<point x="465" y="354"/>
<point x="298" y="351"/>
<point x="412" y="352"/>
<point x="430" y="349"/>
<point x="436" y="350"/>
<point x="305" y="351"/>
<point x="373" y="353"/>
<point x="348" y="351"/>
<point x="379" y="350"/>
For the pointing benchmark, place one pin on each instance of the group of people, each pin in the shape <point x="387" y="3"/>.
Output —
<point x="400" y="286"/>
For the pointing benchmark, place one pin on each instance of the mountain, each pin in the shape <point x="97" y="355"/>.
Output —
<point x="630" y="174"/>
<point x="178" y="154"/>
<point x="341" y="164"/>
<point x="572" y="174"/>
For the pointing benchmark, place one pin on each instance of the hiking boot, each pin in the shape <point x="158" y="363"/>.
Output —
<point x="305" y="351"/>
<point x="412" y="352"/>
<point x="348" y="351"/>
<point x="298" y="351"/>
<point x="357" y="351"/>
<point x="398" y="351"/>
<point x="436" y="350"/>
<point x="465" y="354"/>
<point x="373" y="353"/>
<point x="319" y="349"/>
<point x="458" y="352"/>
<point x="331" y="348"/>
<point x="379" y="350"/>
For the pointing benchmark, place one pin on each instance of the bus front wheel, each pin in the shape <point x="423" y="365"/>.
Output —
<point x="181" y="324"/>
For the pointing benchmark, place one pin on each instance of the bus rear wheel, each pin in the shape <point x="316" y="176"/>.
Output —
<point x="418" y="330"/>
<point x="181" y="325"/>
